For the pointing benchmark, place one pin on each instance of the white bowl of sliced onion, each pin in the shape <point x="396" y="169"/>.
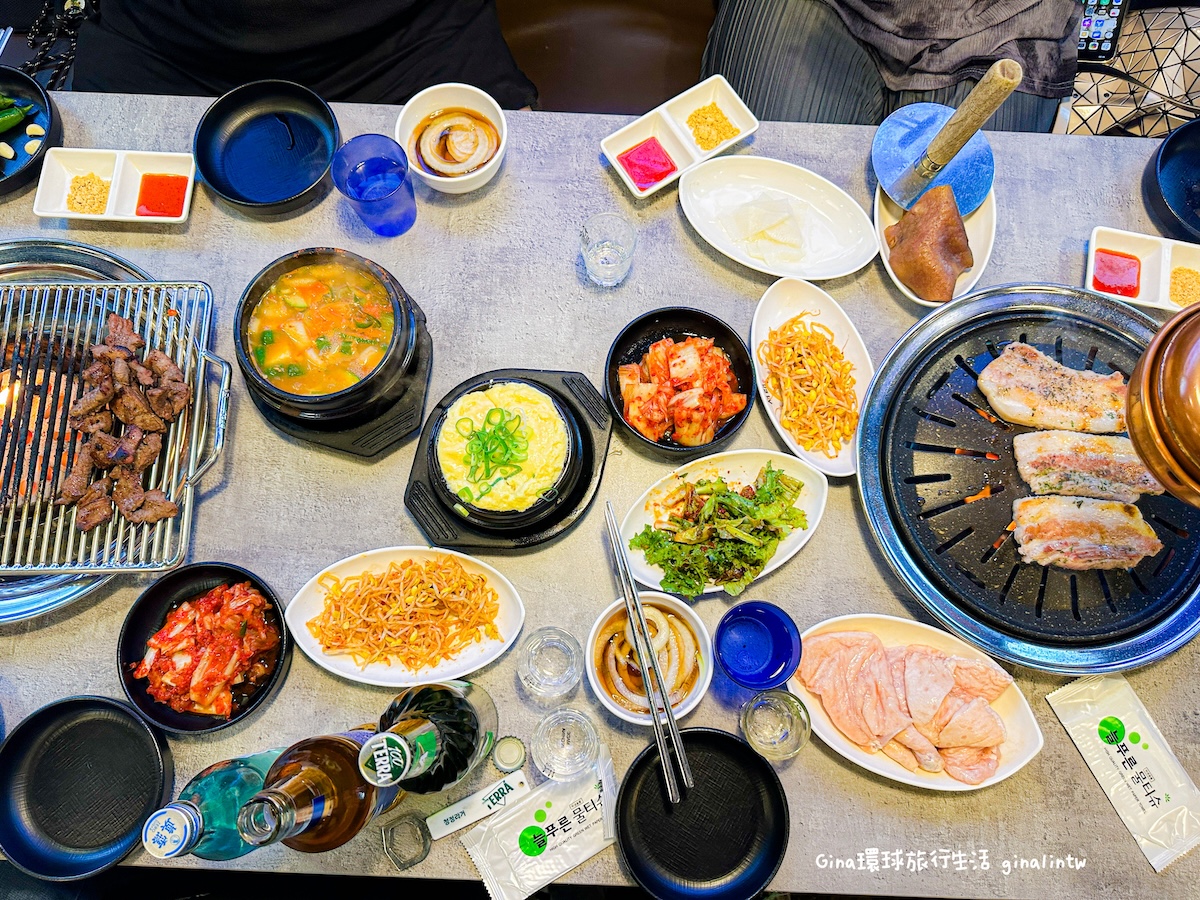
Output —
<point x="455" y="136"/>
<point x="684" y="649"/>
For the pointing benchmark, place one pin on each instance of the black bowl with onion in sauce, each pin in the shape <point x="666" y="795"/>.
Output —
<point x="148" y="615"/>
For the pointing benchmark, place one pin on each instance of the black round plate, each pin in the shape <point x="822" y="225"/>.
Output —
<point x="77" y="780"/>
<point x="678" y="323"/>
<point x="727" y="836"/>
<point x="267" y="146"/>
<point x="147" y="615"/>
<point x="24" y="167"/>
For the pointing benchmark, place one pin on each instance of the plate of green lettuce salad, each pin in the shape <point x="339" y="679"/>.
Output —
<point x="720" y="522"/>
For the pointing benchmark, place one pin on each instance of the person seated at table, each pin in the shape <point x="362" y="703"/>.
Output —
<point x="380" y="51"/>
<point x="856" y="61"/>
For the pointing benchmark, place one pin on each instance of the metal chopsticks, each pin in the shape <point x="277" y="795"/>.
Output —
<point x="651" y="675"/>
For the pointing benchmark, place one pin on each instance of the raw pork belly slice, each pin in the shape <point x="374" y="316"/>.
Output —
<point x="921" y="707"/>
<point x="1081" y="533"/>
<point x="1025" y="386"/>
<point x="971" y="765"/>
<point x="1083" y="465"/>
<point x="849" y="671"/>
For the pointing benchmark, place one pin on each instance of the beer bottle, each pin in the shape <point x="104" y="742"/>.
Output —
<point x="430" y="737"/>
<point x="314" y="798"/>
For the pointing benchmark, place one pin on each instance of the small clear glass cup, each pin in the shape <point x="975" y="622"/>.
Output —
<point x="565" y="743"/>
<point x="607" y="242"/>
<point x="776" y="724"/>
<point x="550" y="664"/>
<point x="372" y="172"/>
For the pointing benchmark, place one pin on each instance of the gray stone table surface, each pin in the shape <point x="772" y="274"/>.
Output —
<point x="499" y="275"/>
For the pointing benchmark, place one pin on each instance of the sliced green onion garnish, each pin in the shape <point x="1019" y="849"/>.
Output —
<point x="495" y="451"/>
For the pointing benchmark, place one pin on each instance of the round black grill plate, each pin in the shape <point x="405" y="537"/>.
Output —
<point x="939" y="480"/>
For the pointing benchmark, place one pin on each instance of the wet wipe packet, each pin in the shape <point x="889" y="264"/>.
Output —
<point x="551" y="830"/>
<point x="1143" y="779"/>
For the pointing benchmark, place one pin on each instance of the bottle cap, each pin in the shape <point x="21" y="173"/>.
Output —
<point x="384" y="759"/>
<point x="508" y="754"/>
<point x="172" y="831"/>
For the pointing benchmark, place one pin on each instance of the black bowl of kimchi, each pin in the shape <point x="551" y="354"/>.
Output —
<point x="191" y="677"/>
<point x="678" y="323"/>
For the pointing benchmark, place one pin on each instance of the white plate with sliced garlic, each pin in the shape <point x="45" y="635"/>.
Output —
<point x="777" y="218"/>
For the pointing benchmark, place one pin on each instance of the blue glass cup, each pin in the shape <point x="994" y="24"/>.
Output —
<point x="372" y="172"/>
<point x="758" y="645"/>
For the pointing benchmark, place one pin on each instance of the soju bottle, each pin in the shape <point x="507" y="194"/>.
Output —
<point x="203" y="820"/>
<point x="314" y="798"/>
<point x="430" y="737"/>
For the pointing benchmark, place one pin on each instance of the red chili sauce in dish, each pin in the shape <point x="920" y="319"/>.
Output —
<point x="161" y="195"/>
<point x="1117" y="273"/>
<point x="647" y="163"/>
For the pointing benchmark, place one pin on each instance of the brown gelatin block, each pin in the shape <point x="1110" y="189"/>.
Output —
<point x="929" y="247"/>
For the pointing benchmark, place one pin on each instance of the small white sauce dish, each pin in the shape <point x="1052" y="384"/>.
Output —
<point x="668" y="123"/>
<point x="439" y="97"/>
<point x="1158" y="257"/>
<point x="122" y="169"/>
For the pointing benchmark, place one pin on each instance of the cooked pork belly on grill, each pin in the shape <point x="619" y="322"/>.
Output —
<point x="1083" y="465"/>
<point x="1025" y="386"/>
<point x="1081" y="533"/>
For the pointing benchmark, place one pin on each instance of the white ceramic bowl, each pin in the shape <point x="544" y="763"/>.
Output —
<point x="685" y="612"/>
<point x="451" y="95"/>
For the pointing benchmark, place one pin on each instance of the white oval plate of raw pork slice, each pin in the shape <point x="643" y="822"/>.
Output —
<point x="783" y="301"/>
<point x="739" y="467"/>
<point x="310" y="601"/>
<point x="980" y="226"/>
<point x="1024" y="737"/>
<point x="825" y="233"/>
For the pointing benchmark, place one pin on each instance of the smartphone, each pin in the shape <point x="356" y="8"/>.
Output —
<point x="1100" y="28"/>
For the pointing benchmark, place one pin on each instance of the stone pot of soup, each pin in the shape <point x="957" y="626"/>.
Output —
<point x="325" y="338"/>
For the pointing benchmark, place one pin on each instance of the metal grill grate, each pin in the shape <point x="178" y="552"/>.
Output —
<point x="46" y="331"/>
<point x="939" y="478"/>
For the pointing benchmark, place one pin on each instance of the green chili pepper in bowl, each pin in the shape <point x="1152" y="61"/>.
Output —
<point x="14" y="116"/>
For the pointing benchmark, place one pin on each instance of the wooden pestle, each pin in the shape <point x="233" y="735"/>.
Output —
<point x="985" y="98"/>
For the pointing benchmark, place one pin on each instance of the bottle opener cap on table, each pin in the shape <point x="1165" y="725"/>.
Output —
<point x="924" y="145"/>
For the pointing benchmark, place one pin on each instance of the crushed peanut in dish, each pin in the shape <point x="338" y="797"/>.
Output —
<point x="710" y="126"/>
<point x="1185" y="286"/>
<point x="88" y="194"/>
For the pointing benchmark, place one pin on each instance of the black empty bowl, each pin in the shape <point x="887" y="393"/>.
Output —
<point x="77" y="780"/>
<point x="266" y="147"/>
<point x="548" y="503"/>
<point x="678" y="323"/>
<point x="1175" y="191"/>
<point x="147" y="616"/>
<point x="19" y="171"/>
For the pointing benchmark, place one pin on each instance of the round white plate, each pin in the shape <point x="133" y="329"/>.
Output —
<point x="740" y="467"/>
<point x="708" y="191"/>
<point x="782" y="301"/>
<point x="1024" y="736"/>
<point x="981" y="235"/>
<point x="310" y="600"/>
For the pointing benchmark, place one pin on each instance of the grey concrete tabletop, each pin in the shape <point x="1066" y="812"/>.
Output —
<point x="499" y="275"/>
